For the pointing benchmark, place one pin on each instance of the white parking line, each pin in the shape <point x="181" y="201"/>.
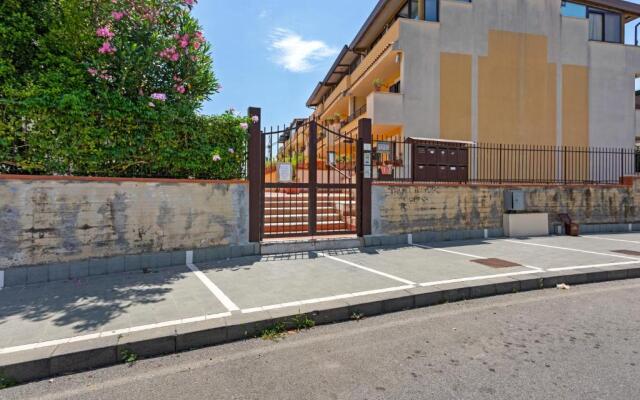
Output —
<point x="571" y="249"/>
<point x="325" y="299"/>
<point x="470" y="255"/>
<point x="614" y="240"/>
<point x="116" y="332"/>
<point x="592" y="266"/>
<point x="226" y="301"/>
<point x="477" y="278"/>
<point x="373" y="271"/>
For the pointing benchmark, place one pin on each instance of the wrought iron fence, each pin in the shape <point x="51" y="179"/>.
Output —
<point x="422" y="160"/>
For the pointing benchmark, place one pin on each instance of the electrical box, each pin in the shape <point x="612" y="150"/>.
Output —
<point x="514" y="200"/>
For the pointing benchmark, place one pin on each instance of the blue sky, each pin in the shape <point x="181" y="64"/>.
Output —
<point x="272" y="53"/>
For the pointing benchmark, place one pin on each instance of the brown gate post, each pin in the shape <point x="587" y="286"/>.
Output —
<point x="363" y="184"/>
<point x="313" y="177"/>
<point x="255" y="174"/>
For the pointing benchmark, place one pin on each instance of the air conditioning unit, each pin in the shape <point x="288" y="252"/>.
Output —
<point x="514" y="200"/>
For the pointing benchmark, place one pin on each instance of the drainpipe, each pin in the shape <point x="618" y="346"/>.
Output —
<point x="421" y="11"/>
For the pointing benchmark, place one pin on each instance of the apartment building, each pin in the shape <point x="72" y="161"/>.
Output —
<point x="535" y="72"/>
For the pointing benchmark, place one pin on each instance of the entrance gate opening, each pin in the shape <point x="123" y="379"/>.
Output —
<point x="309" y="181"/>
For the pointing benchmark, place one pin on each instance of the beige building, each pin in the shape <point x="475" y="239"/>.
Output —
<point x="543" y="72"/>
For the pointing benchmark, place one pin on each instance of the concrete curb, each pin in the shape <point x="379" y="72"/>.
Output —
<point x="71" y="357"/>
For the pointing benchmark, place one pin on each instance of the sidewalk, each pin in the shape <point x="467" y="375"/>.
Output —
<point x="68" y="326"/>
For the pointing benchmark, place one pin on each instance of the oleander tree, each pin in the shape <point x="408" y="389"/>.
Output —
<point x="112" y="88"/>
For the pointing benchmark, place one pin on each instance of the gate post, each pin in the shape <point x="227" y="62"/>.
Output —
<point x="363" y="183"/>
<point x="313" y="177"/>
<point x="255" y="174"/>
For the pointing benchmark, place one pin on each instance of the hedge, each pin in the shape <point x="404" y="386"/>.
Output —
<point x="41" y="140"/>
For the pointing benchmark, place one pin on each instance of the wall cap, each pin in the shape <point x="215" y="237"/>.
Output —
<point x="8" y="177"/>
<point x="505" y="186"/>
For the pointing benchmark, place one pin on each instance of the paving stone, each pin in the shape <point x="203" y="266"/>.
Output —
<point x="98" y="266"/>
<point x="79" y="269"/>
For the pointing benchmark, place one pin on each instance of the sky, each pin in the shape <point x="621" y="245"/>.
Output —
<point x="272" y="53"/>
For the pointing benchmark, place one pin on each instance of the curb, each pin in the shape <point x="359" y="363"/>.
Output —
<point x="70" y="357"/>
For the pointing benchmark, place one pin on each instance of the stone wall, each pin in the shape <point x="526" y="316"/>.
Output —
<point x="57" y="220"/>
<point x="400" y="209"/>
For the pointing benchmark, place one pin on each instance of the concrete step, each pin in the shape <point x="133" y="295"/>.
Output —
<point x="299" y="217"/>
<point x="294" y="227"/>
<point x="271" y="247"/>
<point x="298" y="210"/>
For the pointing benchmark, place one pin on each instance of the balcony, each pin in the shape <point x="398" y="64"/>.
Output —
<point x="380" y="62"/>
<point x="385" y="109"/>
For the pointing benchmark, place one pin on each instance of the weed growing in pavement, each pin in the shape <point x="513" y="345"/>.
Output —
<point x="274" y="332"/>
<point x="6" y="382"/>
<point x="357" y="316"/>
<point x="128" y="357"/>
<point x="302" y="322"/>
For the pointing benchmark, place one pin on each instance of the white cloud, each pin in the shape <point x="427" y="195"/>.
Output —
<point x="296" y="54"/>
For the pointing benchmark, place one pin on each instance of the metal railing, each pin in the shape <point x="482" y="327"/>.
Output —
<point x="458" y="162"/>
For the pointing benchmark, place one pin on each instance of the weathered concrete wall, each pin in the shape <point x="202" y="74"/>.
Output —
<point x="399" y="209"/>
<point x="51" y="221"/>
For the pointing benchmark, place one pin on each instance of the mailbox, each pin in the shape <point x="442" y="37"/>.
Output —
<point x="439" y="161"/>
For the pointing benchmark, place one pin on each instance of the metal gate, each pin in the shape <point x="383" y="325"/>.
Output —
<point x="309" y="181"/>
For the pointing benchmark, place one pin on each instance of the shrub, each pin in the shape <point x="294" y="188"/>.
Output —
<point x="111" y="88"/>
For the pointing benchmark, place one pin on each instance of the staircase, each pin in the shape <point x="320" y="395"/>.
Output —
<point x="288" y="213"/>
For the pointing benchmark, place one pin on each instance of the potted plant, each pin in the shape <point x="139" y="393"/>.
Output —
<point x="378" y="84"/>
<point x="337" y="117"/>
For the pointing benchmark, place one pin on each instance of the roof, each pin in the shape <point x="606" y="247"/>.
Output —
<point x="385" y="10"/>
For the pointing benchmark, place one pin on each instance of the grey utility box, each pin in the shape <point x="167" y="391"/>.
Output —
<point x="514" y="200"/>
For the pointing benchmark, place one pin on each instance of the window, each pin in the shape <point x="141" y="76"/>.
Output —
<point x="410" y="10"/>
<point x="431" y="10"/>
<point x="395" y="88"/>
<point x="596" y="26"/>
<point x="605" y="26"/>
<point x="569" y="9"/>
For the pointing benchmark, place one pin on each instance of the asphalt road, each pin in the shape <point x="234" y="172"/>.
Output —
<point x="582" y="343"/>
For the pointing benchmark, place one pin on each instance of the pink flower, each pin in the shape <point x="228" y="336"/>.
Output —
<point x="181" y="89"/>
<point x="104" y="32"/>
<point x="151" y="104"/>
<point x="92" y="71"/>
<point x="117" y="15"/>
<point x="175" y="57"/>
<point x="159" y="96"/>
<point x="216" y="157"/>
<point x="196" y="45"/>
<point x="255" y="119"/>
<point x="106" y="77"/>
<point x="189" y="2"/>
<point x="244" y="126"/>
<point x="106" y="48"/>
<point x="184" y="41"/>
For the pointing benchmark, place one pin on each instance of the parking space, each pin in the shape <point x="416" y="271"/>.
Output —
<point x="262" y="282"/>
<point x="105" y="305"/>
<point x="425" y="264"/>
<point x="42" y="315"/>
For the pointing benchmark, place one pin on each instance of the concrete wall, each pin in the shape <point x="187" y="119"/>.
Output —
<point x="400" y="209"/>
<point x="521" y="52"/>
<point x="46" y="221"/>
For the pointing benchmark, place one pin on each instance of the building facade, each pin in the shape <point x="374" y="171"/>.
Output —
<point x="535" y="72"/>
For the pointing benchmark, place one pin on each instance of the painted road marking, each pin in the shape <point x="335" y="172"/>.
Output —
<point x="477" y="278"/>
<point x="1" y="280"/>
<point x="593" y="266"/>
<point x="471" y="255"/>
<point x="614" y="240"/>
<point x="226" y="301"/>
<point x="570" y="249"/>
<point x="116" y="332"/>
<point x="325" y="299"/>
<point x="373" y="271"/>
